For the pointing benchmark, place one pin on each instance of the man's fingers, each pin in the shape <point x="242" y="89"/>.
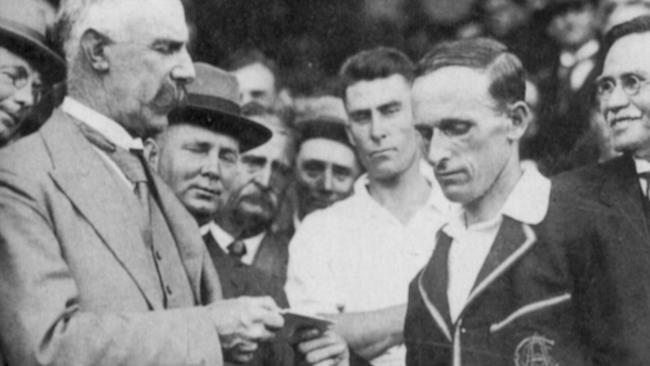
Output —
<point x="325" y="340"/>
<point x="333" y="352"/>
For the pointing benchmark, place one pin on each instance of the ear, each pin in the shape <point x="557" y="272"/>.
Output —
<point x="93" y="44"/>
<point x="151" y="152"/>
<point x="520" y="116"/>
<point x="349" y="133"/>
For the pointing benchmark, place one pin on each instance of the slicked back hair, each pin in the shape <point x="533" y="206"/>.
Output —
<point x="637" y="25"/>
<point x="377" y="63"/>
<point x="506" y="73"/>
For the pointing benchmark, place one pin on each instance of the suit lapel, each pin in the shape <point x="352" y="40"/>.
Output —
<point x="82" y="175"/>
<point x="621" y="190"/>
<point x="513" y="241"/>
<point x="185" y="231"/>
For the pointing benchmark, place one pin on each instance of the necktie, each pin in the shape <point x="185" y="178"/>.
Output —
<point x="130" y="162"/>
<point x="435" y="276"/>
<point x="237" y="249"/>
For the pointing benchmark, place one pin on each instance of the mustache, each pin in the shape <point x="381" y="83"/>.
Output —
<point x="170" y="95"/>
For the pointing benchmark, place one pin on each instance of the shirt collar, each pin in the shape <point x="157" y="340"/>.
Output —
<point x="527" y="203"/>
<point x="109" y="128"/>
<point x="589" y="49"/>
<point x="642" y="166"/>
<point x="436" y="199"/>
<point x="223" y="238"/>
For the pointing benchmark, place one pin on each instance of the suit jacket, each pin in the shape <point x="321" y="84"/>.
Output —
<point x="272" y="256"/>
<point x="610" y="194"/>
<point x="533" y="302"/>
<point x="76" y="286"/>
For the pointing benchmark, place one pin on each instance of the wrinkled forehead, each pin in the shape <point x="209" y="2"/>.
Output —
<point x="141" y="20"/>
<point x="278" y="148"/>
<point x="628" y="54"/>
<point x="326" y="150"/>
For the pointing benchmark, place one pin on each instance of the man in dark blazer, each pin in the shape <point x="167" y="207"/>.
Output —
<point x="614" y="193"/>
<point x="100" y="264"/>
<point x="509" y="280"/>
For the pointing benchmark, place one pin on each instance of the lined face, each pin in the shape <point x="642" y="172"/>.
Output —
<point x="265" y="173"/>
<point x="468" y="136"/>
<point x="20" y="90"/>
<point x="381" y="125"/>
<point x="149" y="64"/>
<point x="627" y="113"/>
<point x="200" y="165"/>
<point x="325" y="173"/>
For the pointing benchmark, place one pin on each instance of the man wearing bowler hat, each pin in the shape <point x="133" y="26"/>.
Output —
<point x="197" y="156"/>
<point x="27" y="64"/>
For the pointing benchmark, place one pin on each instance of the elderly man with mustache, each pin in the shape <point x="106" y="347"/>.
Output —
<point x="100" y="264"/>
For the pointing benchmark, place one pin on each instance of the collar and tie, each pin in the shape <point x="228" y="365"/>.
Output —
<point x="237" y="249"/>
<point x="131" y="163"/>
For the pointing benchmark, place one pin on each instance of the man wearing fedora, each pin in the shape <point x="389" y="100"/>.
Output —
<point x="27" y="64"/>
<point x="100" y="264"/>
<point x="197" y="156"/>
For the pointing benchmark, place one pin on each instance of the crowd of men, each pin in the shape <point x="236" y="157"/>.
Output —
<point x="160" y="211"/>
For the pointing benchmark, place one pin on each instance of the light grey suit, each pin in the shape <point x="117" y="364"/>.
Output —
<point x="77" y="284"/>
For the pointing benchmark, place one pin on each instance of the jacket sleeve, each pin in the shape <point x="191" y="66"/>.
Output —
<point x="41" y="321"/>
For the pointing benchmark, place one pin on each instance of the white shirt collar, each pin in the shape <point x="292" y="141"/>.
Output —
<point x="527" y="203"/>
<point x="436" y="199"/>
<point x="109" y="128"/>
<point x="223" y="238"/>
<point x="642" y="166"/>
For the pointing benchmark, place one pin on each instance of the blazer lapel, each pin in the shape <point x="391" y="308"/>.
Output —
<point x="83" y="176"/>
<point x="185" y="231"/>
<point x="513" y="240"/>
<point x="272" y="256"/>
<point x="621" y="190"/>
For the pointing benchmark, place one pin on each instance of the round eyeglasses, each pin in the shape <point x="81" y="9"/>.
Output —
<point x="19" y="78"/>
<point x="630" y="84"/>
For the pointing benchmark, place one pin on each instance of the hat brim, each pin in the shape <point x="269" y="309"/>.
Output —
<point x="50" y="64"/>
<point x="250" y="134"/>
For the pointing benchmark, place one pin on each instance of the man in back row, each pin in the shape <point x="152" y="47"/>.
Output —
<point x="339" y="256"/>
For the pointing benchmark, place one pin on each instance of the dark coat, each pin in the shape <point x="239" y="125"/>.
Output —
<point x="532" y="303"/>
<point x="610" y="195"/>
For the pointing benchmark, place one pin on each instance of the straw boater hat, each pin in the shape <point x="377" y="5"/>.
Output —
<point x="23" y="30"/>
<point x="213" y="102"/>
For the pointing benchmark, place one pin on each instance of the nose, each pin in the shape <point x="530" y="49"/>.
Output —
<point x="438" y="153"/>
<point x="184" y="71"/>
<point x="263" y="176"/>
<point x="617" y="100"/>
<point x="210" y="167"/>
<point x="24" y="96"/>
<point x="326" y="181"/>
<point x="377" y="128"/>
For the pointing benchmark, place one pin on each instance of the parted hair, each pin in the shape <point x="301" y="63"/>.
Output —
<point x="506" y="73"/>
<point x="376" y="63"/>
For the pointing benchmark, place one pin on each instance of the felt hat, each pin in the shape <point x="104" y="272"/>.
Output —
<point x="213" y="102"/>
<point x="23" y="31"/>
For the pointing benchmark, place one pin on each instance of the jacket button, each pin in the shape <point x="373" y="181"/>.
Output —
<point x="168" y="289"/>
<point x="158" y="255"/>
<point x="463" y="330"/>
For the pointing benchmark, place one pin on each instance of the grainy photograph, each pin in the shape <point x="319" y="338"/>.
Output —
<point x="324" y="182"/>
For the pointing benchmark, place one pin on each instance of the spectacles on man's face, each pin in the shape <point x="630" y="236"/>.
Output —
<point x="631" y="84"/>
<point x="19" y="78"/>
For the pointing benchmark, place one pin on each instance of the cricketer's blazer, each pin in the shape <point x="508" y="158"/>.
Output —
<point x="75" y="285"/>
<point x="534" y="301"/>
